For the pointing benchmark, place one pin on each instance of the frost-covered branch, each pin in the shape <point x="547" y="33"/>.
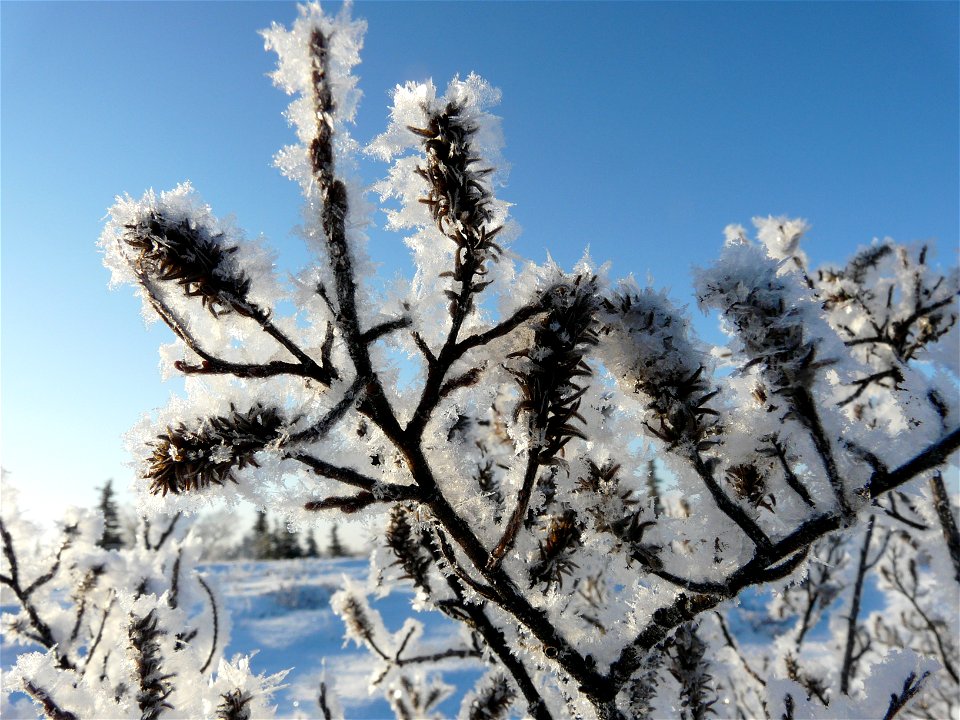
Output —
<point x="516" y="471"/>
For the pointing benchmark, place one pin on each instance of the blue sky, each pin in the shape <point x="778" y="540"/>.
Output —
<point x="639" y="129"/>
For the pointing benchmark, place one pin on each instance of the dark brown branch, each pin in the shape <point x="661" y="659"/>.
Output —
<point x="846" y="670"/>
<point x="736" y="649"/>
<point x="513" y="601"/>
<point x="941" y="502"/>
<point x="477" y="618"/>
<point x="504" y="327"/>
<point x="319" y="429"/>
<point x="731" y="509"/>
<point x="436" y="657"/>
<point x="378" y="331"/>
<point x="49" y="575"/>
<point x="895" y="513"/>
<point x="333" y="215"/>
<point x="484" y="591"/>
<point x="216" y="624"/>
<point x="779" y="572"/>
<point x="930" y="458"/>
<point x="381" y="493"/>
<point x="792" y="480"/>
<point x="42" y="632"/>
<point x="863" y="383"/>
<point x="470" y="377"/>
<point x="698" y="586"/>
<point x="50" y="707"/>
<point x="509" y="535"/>
<point x="212" y="365"/>
<point x="323" y="374"/>
<point x="334" y="472"/>
<point x="164" y="536"/>
<point x="424" y="349"/>
<point x="809" y="417"/>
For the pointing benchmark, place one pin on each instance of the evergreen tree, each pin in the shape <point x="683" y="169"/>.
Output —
<point x="654" y="489"/>
<point x="336" y="549"/>
<point x="286" y="543"/>
<point x="112" y="538"/>
<point x="312" y="550"/>
<point x="263" y="541"/>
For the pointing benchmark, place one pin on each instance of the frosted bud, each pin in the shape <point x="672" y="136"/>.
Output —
<point x="780" y="235"/>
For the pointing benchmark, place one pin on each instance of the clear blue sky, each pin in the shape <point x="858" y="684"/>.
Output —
<point x="639" y="129"/>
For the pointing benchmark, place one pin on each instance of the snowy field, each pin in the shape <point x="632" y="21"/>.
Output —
<point x="283" y="608"/>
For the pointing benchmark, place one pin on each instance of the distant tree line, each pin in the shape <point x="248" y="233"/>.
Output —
<point x="266" y="540"/>
<point x="276" y="541"/>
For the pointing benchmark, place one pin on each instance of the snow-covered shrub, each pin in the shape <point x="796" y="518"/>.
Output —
<point x="132" y="632"/>
<point x="511" y="477"/>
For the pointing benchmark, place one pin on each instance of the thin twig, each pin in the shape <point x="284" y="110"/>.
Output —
<point x="216" y="624"/>
<point x="736" y="649"/>
<point x="98" y="638"/>
<point x="50" y="707"/>
<point x="846" y="670"/>
<point x="948" y="523"/>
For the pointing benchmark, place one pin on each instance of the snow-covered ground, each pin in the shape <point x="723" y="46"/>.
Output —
<point x="283" y="608"/>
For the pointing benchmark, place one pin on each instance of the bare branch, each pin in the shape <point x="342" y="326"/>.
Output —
<point x="846" y="670"/>
<point x="216" y="624"/>
<point x="947" y="522"/>
<point x="50" y="707"/>
<point x="344" y="475"/>
<point x="380" y="493"/>
<point x="378" y="331"/>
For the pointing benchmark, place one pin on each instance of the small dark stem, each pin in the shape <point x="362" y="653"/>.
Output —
<point x="216" y="624"/>
<point x="846" y="671"/>
<point x="484" y="591"/>
<point x="731" y="509"/>
<point x="807" y="413"/>
<point x="792" y="480"/>
<point x="334" y="472"/>
<point x="736" y="649"/>
<point x="173" y="596"/>
<point x="50" y="707"/>
<point x="382" y="493"/>
<point x="98" y="638"/>
<point x="503" y="328"/>
<point x="321" y="428"/>
<point x="948" y="523"/>
<point x="378" y="331"/>
<point x="322" y="701"/>
<point x="519" y="512"/>
<point x="165" y="535"/>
